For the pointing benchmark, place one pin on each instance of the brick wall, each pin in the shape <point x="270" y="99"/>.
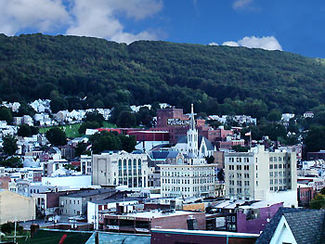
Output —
<point x="178" y="221"/>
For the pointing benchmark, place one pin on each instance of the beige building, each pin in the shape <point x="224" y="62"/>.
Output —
<point x="15" y="207"/>
<point x="120" y="169"/>
<point x="261" y="175"/>
<point x="198" y="180"/>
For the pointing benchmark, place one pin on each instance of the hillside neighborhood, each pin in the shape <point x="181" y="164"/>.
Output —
<point x="166" y="176"/>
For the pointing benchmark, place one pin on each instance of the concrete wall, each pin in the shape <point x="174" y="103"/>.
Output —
<point x="14" y="207"/>
<point x="289" y="198"/>
<point x="72" y="181"/>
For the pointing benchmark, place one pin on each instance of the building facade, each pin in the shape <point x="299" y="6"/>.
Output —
<point x="188" y="180"/>
<point x="261" y="175"/>
<point x="120" y="169"/>
<point x="15" y="207"/>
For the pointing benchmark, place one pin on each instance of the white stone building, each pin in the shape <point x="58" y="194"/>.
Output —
<point x="261" y="175"/>
<point x="85" y="163"/>
<point x="120" y="169"/>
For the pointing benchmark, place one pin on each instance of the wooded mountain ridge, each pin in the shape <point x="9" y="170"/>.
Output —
<point x="218" y="79"/>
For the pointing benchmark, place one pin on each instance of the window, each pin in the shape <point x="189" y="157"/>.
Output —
<point x="271" y="174"/>
<point x="271" y="166"/>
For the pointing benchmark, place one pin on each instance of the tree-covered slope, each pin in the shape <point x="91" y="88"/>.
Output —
<point x="216" y="78"/>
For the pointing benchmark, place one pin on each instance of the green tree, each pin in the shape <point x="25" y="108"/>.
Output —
<point x="128" y="143"/>
<point x="13" y="162"/>
<point x="315" y="139"/>
<point x="24" y="130"/>
<point x="126" y="120"/>
<point x="94" y="116"/>
<point x="58" y="104"/>
<point x="10" y="145"/>
<point x="80" y="148"/>
<point x="209" y="159"/>
<point x="105" y="141"/>
<point x="318" y="202"/>
<point x="25" y="109"/>
<point x="274" y="115"/>
<point x="5" y="114"/>
<point x="144" y="117"/>
<point x="112" y="141"/>
<point x="56" y="136"/>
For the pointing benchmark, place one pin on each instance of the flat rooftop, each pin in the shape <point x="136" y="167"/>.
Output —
<point x="154" y="214"/>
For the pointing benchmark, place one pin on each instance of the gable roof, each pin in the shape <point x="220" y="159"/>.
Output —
<point x="207" y="143"/>
<point x="183" y="139"/>
<point x="307" y="226"/>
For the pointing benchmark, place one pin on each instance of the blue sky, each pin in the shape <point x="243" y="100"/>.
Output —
<point x="290" y="25"/>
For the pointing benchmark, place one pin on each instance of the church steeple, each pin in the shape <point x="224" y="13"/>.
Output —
<point x="192" y="122"/>
<point x="192" y="137"/>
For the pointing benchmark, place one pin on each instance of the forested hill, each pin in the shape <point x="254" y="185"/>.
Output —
<point x="218" y="79"/>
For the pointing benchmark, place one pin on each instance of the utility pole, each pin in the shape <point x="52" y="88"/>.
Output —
<point x="15" y="231"/>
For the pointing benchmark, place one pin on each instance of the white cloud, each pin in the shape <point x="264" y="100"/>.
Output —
<point x="45" y="15"/>
<point x="97" y="18"/>
<point x="213" y="44"/>
<point x="241" y="4"/>
<point x="100" y="18"/>
<point x="265" y="42"/>
<point x="230" y="44"/>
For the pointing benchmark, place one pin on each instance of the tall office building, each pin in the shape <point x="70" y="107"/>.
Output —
<point x="261" y="175"/>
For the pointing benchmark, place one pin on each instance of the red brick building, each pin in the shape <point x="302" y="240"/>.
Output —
<point x="304" y="195"/>
<point x="177" y="124"/>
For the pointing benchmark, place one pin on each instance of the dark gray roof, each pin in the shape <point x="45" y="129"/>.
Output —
<point x="91" y="192"/>
<point x="182" y="139"/>
<point x="207" y="143"/>
<point x="307" y="226"/>
<point x="159" y="154"/>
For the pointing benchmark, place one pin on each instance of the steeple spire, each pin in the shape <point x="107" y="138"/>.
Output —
<point x="192" y="137"/>
<point x="192" y="122"/>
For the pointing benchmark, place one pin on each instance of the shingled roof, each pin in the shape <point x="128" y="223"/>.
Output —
<point x="307" y="226"/>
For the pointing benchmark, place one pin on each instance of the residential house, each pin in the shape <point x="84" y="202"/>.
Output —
<point x="289" y="225"/>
